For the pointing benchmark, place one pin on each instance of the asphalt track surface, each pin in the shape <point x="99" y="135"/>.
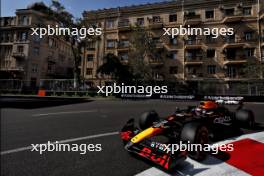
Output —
<point x="92" y="122"/>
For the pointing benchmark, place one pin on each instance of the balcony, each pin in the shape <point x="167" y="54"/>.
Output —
<point x="159" y="44"/>
<point x="156" y="62"/>
<point x="124" y="25"/>
<point x="232" y="17"/>
<point x="192" y="20"/>
<point x="235" y="60"/>
<point x="261" y="14"/>
<point x="156" y="23"/>
<point x="14" y="69"/>
<point x="194" y="76"/>
<point x="233" y="76"/>
<point x="19" y="55"/>
<point x="51" y="59"/>
<point x="193" y="44"/>
<point x="51" y="71"/>
<point x="193" y="60"/>
<point x="123" y="46"/>
<point x="233" y="43"/>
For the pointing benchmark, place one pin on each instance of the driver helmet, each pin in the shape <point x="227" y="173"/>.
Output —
<point x="208" y="105"/>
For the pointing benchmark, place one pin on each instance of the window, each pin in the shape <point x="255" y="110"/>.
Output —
<point x="262" y="51"/>
<point x="110" y="24"/>
<point x="123" y="22"/>
<point x="36" y="50"/>
<point x="90" y="57"/>
<point x="229" y="12"/>
<point x="89" y="71"/>
<point x="91" y="45"/>
<point x="230" y="38"/>
<point x="36" y="39"/>
<point x="123" y="56"/>
<point x="50" y="66"/>
<point x="231" y="53"/>
<point x="140" y="21"/>
<point x="22" y="36"/>
<point x="174" y="70"/>
<point x="23" y="20"/>
<point x="20" y="48"/>
<point x="191" y="13"/>
<point x="51" y="42"/>
<point x="173" y="55"/>
<point x="210" y="38"/>
<point x="249" y="52"/>
<point x="173" y="41"/>
<point x="110" y="44"/>
<point x="61" y="58"/>
<point x="156" y="19"/>
<point x="173" y="18"/>
<point x="34" y="68"/>
<point x="247" y="11"/>
<point x="231" y="71"/>
<point x="210" y="53"/>
<point x="248" y="35"/>
<point x="211" y="69"/>
<point x="191" y="70"/>
<point x="209" y="14"/>
<point x="124" y="43"/>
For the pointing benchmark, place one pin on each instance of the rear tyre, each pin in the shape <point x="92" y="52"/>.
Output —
<point x="146" y="120"/>
<point x="195" y="133"/>
<point x="245" y="118"/>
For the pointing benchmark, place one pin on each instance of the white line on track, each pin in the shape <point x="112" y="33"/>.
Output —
<point x="65" y="112"/>
<point x="62" y="141"/>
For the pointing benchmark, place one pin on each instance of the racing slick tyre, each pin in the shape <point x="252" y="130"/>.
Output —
<point x="195" y="133"/>
<point x="147" y="119"/>
<point x="245" y="118"/>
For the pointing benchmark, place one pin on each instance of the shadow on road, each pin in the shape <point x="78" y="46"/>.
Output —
<point x="37" y="102"/>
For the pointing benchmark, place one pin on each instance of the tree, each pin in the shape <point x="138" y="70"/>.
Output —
<point x="144" y="50"/>
<point x="253" y="69"/>
<point x="116" y="69"/>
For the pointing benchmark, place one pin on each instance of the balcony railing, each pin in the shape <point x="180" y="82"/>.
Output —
<point x="191" y="17"/>
<point x="233" y="43"/>
<point x="232" y="17"/>
<point x="156" y="61"/>
<point x="193" y="41"/>
<point x="156" y="23"/>
<point x="159" y="44"/>
<point x="193" y="58"/>
<point x="124" y="25"/>
<point x="122" y="45"/>
<point x="51" y="59"/>
<point x="18" y="55"/>
<point x="13" y="68"/>
<point x="194" y="75"/>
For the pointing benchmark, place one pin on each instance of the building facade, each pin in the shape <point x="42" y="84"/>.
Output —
<point x="191" y="59"/>
<point x="28" y="57"/>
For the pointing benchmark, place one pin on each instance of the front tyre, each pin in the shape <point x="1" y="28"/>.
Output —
<point x="146" y="120"/>
<point x="195" y="133"/>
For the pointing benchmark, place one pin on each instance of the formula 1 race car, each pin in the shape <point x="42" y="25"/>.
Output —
<point x="195" y="125"/>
